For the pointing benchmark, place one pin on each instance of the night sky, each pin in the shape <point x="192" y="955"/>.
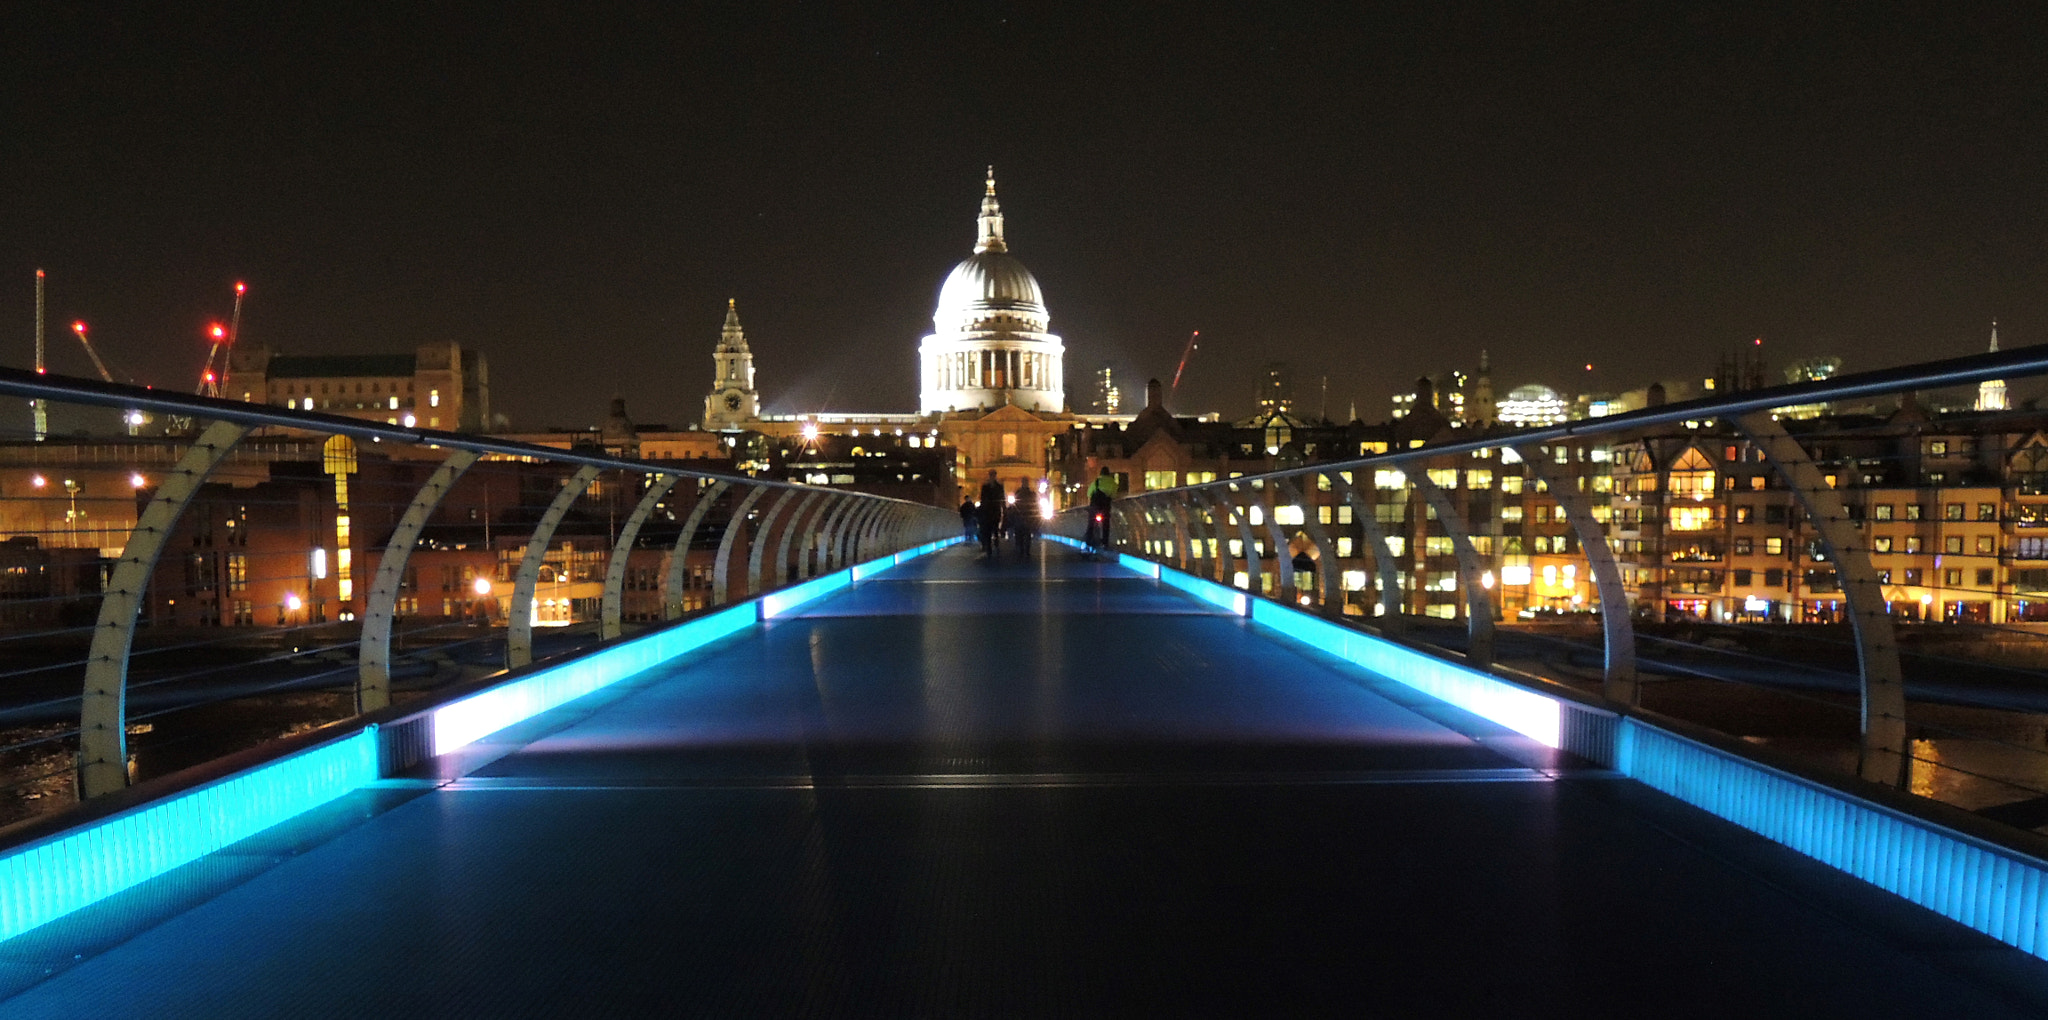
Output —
<point x="1368" y="194"/>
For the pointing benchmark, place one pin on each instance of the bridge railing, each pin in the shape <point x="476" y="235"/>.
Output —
<point x="181" y="577"/>
<point x="1831" y="570"/>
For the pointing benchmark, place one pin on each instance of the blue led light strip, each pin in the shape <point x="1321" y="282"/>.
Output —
<point x="1990" y="888"/>
<point x="45" y="880"/>
<point x="52" y="877"/>
<point x="1986" y="887"/>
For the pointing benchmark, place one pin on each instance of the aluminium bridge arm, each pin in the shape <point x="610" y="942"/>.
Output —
<point x="519" y="620"/>
<point x="1883" y="756"/>
<point x="1617" y="628"/>
<point x="679" y="560"/>
<point x="1365" y="514"/>
<point x="1478" y="600"/>
<point x="612" y="615"/>
<point x="373" y="671"/>
<point x="103" y="710"/>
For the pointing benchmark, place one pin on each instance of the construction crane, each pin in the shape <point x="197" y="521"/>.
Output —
<point x="38" y="408"/>
<point x="1186" y="353"/>
<point x="79" y="329"/>
<point x="132" y="417"/>
<point x="213" y="381"/>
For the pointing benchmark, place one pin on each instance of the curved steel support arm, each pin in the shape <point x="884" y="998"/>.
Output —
<point x="1616" y="626"/>
<point x="373" y="672"/>
<point x="1276" y="545"/>
<point x="1329" y="598"/>
<point x="613" y="615"/>
<point x="1478" y="600"/>
<point x="797" y="526"/>
<point x="721" y="568"/>
<point x="1883" y="758"/>
<point x="103" y="712"/>
<point x="679" y="561"/>
<point x="519" y="620"/>
<point x="1365" y="514"/>
<point x="764" y="535"/>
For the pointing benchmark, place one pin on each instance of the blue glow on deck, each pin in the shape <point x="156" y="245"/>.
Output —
<point x="1525" y="711"/>
<point x="776" y="603"/>
<point x="460" y="723"/>
<point x="1986" y="887"/>
<point x="45" y="880"/>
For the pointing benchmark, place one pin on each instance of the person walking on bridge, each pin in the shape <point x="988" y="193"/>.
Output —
<point x="1101" y="494"/>
<point x="991" y="514"/>
<point x="1020" y="517"/>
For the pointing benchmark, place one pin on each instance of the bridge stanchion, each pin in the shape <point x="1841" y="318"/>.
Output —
<point x="1213" y="517"/>
<point x="816" y="557"/>
<point x="1255" y="564"/>
<point x="721" y="566"/>
<point x="103" y="708"/>
<point x="797" y="524"/>
<point x="1276" y="544"/>
<point x="1617" y="628"/>
<point x="373" y="672"/>
<point x="1181" y="534"/>
<point x="764" y="535"/>
<point x="519" y="619"/>
<point x="839" y="543"/>
<point x="1365" y="514"/>
<point x="677" y="580"/>
<point x="1883" y="753"/>
<point x="853" y="534"/>
<point x="826" y="547"/>
<point x="612" y="615"/>
<point x="1479" y="632"/>
<point x="1329" y="593"/>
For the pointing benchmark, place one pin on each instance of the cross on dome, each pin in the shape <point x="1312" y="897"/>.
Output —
<point x="991" y="219"/>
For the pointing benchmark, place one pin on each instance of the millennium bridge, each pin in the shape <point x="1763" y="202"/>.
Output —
<point x="316" y="716"/>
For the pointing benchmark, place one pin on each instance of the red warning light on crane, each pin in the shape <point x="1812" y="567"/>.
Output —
<point x="78" y="327"/>
<point x="217" y="332"/>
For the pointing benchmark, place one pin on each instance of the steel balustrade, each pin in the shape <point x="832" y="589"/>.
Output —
<point x="827" y="530"/>
<point x="519" y="618"/>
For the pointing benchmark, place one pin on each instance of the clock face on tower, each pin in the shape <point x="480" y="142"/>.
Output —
<point x="732" y="401"/>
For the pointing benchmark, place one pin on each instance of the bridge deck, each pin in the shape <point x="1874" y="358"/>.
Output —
<point x="1046" y="789"/>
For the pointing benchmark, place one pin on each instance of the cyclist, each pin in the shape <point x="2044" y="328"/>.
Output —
<point x="1101" y="493"/>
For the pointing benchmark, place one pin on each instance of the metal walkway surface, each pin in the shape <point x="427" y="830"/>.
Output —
<point x="1043" y="789"/>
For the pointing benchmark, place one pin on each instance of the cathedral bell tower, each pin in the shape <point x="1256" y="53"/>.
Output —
<point x="732" y="402"/>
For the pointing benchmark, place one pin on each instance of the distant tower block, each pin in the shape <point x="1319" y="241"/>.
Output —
<point x="1991" y="392"/>
<point x="732" y="401"/>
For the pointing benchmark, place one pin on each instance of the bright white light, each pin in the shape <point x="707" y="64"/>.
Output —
<point x="483" y="586"/>
<point x="292" y="601"/>
<point x="136" y="480"/>
<point x="810" y="431"/>
<point x="38" y="481"/>
<point x="1517" y="575"/>
<point x="135" y="418"/>
<point x="1486" y="580"/>
<point x="410" y="421"/>
<point x="320" y="564"/>
<point x="1754" y="604"/>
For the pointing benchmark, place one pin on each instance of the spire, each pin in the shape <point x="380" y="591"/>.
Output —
<point x="991" y="220"/>
<point x="732" y="337"/>
<point x="1991" y="394"/>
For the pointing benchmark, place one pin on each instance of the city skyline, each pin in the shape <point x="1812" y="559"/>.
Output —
<point x="1371" y="198"/>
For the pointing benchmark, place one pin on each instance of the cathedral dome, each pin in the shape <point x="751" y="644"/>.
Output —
<point x="990" y="290"/>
